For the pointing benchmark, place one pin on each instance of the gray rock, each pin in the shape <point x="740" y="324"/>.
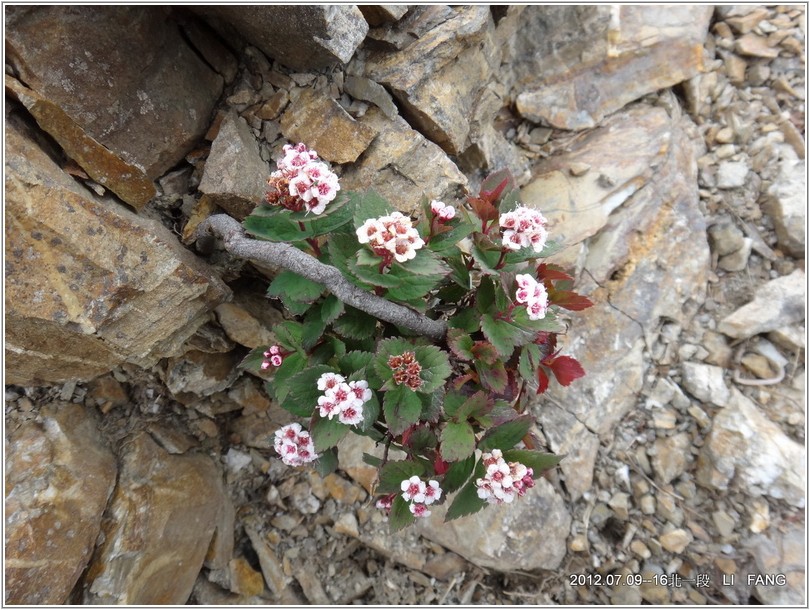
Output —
<point x="671" y="456"/>
<point x="498" y="537"/>
<point x="235" y="176"/>
<point x="787" y="206"/>
<point x="59" y="475"/>
<point x="781" y="551"/>
<point x="747" y="449"/>
<point x="569" y="437"/>
<point x="731" y="174"/>
<point x="778" y="303"/>
<point x="725" y="237"/>
<point x="377" y="14"/>
<point x="737" y="261"/>
<point x="705" y="382"/>
<point x="301" y="37"/>
<point x="362" y="88"/>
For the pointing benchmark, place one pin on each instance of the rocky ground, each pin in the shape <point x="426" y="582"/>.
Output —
<point x="685" y="442"/>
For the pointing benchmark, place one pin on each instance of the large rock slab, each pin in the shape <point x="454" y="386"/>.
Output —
<point x="123" y="74"/>
<point x="745" y="448"/>
<point x="574" y="65"/>
<point x="89" y="284"/>
<point x="301" y="37"/>
<point x="783" y="551"/>
<point x="786" y="204"/>
<point x="158" y="528"/>
<point x="401" y="165"/>
<point x="59" y="476"/>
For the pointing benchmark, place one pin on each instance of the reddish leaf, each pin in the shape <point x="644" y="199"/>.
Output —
<point x="483" y="209"/>
<point x="569" y="300"/>
<point x="566" y="369"/>
<point x="492" y="196"/>
<point x="439" y="465"/>
<point x="542" y="380"/>
<point x="485" y="352"/>
<point x="551" y="272"/>
<point x="459" y="382"/>
<point x="460" y="343"/>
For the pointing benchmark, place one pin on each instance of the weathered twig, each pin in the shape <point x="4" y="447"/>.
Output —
<point x="291" y="258"/>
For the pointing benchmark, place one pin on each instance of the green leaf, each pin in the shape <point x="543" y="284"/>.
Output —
<point x="476" y="405"/>
<point x="331" y="308"/>
<point x="342" y="247"/>
<point x="506" y="435"/>
<point x="452" y="402"/>
<point x="425" y="263"/>
<point x="520" y="318"/>
<point x="435" y="367"/>
<point x="432" y="406"/>
<point x="389" y="347"/>
<point x="393" y="473"/>
<point x="460" y="273"/>
<point x="288" y="334"/>
<point x="355" y="324"/>
<point x="372" y="460"/>
<point x="354" y="361"/>
<point x="253" y="361"/>
<point x="303" y="392"/>
<point x="422" y="438"/>
<point x="529" y="360"/>
<point x="457" y="474"/>
<point x="503" y="335"/>
<point x="457" y="441"/>
<point x="536" y="460"/>
<point x="371" y="411"/>
<point x="278" y="387"/>
<point x="314" y="327"/>
<point x="327" y="432"/>
<point x="493" y="376"/>
<point x="485" y="295"/>
<point x="368" y="205"/>
<point x="400" y="515"/>
<point x="409" y="287"/>
<point x="467" y="320"/>
<point x="467" y="501"/>
<point x="444" y="241"/>
<point x="402" y="408"/>
<point x="460" y="342"/>
<point x="327" y="462"/>
<point x="273" y="224"/>
<point x="296" y="292"/>
<point x="501" y="412"/>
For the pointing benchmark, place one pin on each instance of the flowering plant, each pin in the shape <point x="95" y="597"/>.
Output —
<point x="422" y="334"/>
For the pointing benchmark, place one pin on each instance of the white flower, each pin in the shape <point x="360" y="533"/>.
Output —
<point x="523" y="228"/>
<point x="294" y="445"/>
<point x="442" y="211"/>
<point x="391" y="235"/>
<point x="327" y="381"/>
<point x="533" y="294"/>
<point x="413" y="489"/>
<point x="432" y="492"/>
<point x="502" y="481"/>
<point x="419" y="510"/>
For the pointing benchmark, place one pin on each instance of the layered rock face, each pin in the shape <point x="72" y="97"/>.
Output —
<point x="665" y="146"/>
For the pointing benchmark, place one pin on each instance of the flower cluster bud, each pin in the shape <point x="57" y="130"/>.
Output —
<point x="533" y="294"/>
<point x="523" y="227"/>
<point x="503" y="481"/>
<point x="442" y="211"/>
<point x="343" y="399"/>
<point x="420" y="494"/>
<point x="392" y="235"/>
<point x="272" y="357"/>
<point x="294" y="445"/>
<point x="406" y="370"/>
<point x="302" y="182"/>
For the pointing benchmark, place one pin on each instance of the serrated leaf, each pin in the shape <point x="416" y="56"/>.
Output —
<point x="371" y="411"/>
<point x="369" y="204"/>
<point x="503" y="335"/>
<point x="314" y="327"/>
<point x="457" y="474"/>
<point x="475" y="406"/>
<point x="279" y="387"/>
<point x="393" y="473"/>
<point x="457" y="441"/>
<point x="372" y="460"/>
<point x="435" y="367"/>
<point x="569" y="299"/>
<point x="497" y="184"/>
<point x="467" y="501"/>
<point x="354" y="361"/>
<point x="303" y="392"/>
<point x="485" y="295"/>
<point x="420" y="438"/>
<point x="506" y="435"/>
<point x="485" y="352"/>
<point x="327" y="462"/>
<point x="536" y="460"/>
<point x="355" y="324"/>
<point x="566" y="369"/>
<point x="253" y="361"/>
<point x="447" y="240"/>
<point x="288" y="334"/>
<point x="326" y="432"/>
<point x="331" y="308"/>
<point x="296" y="292"/>
<point x="493" y="376"/>
<point x="400" y="515"/>
<point x="529" y="357"/>
<point x="542" y="380"/>
<point x="342" y="247"/>
<point x="276" y="226"/>
<point x="402" y="408"/>
<point x="466" y="319"/>
<point x="486" y="254"/>
<point x="432" y="406"/>
<point x="552" y="272"/>
<point x="425" y="263"/>
<point x="460" y="343"/>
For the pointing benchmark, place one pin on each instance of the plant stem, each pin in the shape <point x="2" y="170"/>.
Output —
<point x="232" y="234"/>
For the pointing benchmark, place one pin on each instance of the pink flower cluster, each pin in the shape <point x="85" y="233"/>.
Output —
<point x="309" y="182"/>
<point x="392" y="235"/>
<point x="442" y="211"/>
<point x="294" y="445"/>
<point x="343" y="399"/>
<point x="533" y="294"/>
<point x="502" y="481"/>
<point x="523" y="227"/>
<point x="420" y="494"/>
<point x="272" y="357"/>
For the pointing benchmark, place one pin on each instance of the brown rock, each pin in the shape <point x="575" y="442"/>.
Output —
<point x="124" y="74"/>
<point x="59" y="476"/>
<point x="581" y="65"/>
<point x="242" y="327"/>
<point x="158" y="528"/>
<point x="362" y="88"/>
<point x="321" y="123"/>
<point x="244" y="579"/>
<point x="402" y="166"/>
<point x="345" y="492"/>
<point x="743" y="24"/>
<point x="107" y="390"/>
<point x="272" y="108"/>
<point x="377" y="14"/>
<point x="200" y="373"/>
<point x="89" y="284"/>
<point x="301" y="37"/>
<point x="755" y="46"/>
<point x="235" y="176"/>
<point x="671" y="456"/>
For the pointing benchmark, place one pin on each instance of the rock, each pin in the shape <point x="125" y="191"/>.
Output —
<point x="200" y="374"/>
<point x="705" y="382"/>
<point x="652" y="589"/>
<point x="59" y="475"/>
<point x="569" y="437"/>
<point x="647" y="504"/>
<point x="625" y="592"/>
<point x="497" y="537"/>
<point x="362" y="88"/>
<point x="743" y="24"/>
<point x="108" y="392"/>
<point x="437" y="78"/>
<point x="725" y="523"/>
<point x="235" y="176"/>
<point x="782" y="551"/>
<point x="271" y="566"/>
<point x="576" y="66"/>
<point x="402" y="166"/>
<point x="675" y="541"/>
<point x="242" y="327"/>
<point x="786" y="206"/>
<point x="244" y="579"/>
<point x="760" y="515"/>
<point x="619" y="503"/>
<point x="777" y="303"/>
<point x="323" y="125"/>
<point x="731" y="174"/>
<point x="737" y="261"/>
<point x="671" y="456"/>
<point x="159" y="525"/>
<point x="271" y="109"/>
<point x="419" y="20"/>
<point x="753" y="45"/>
<point x="347" y="525"/>
<point x="103" y="284"/>
<point x="747" y="449"/>
<point x="124" y="75"/>
<point x="725" y="237"/>
<point x="789" y="337"/>
<point x="301" y="37"/>
<point x="377" y="14"/>
<point x="444" y="566"/>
